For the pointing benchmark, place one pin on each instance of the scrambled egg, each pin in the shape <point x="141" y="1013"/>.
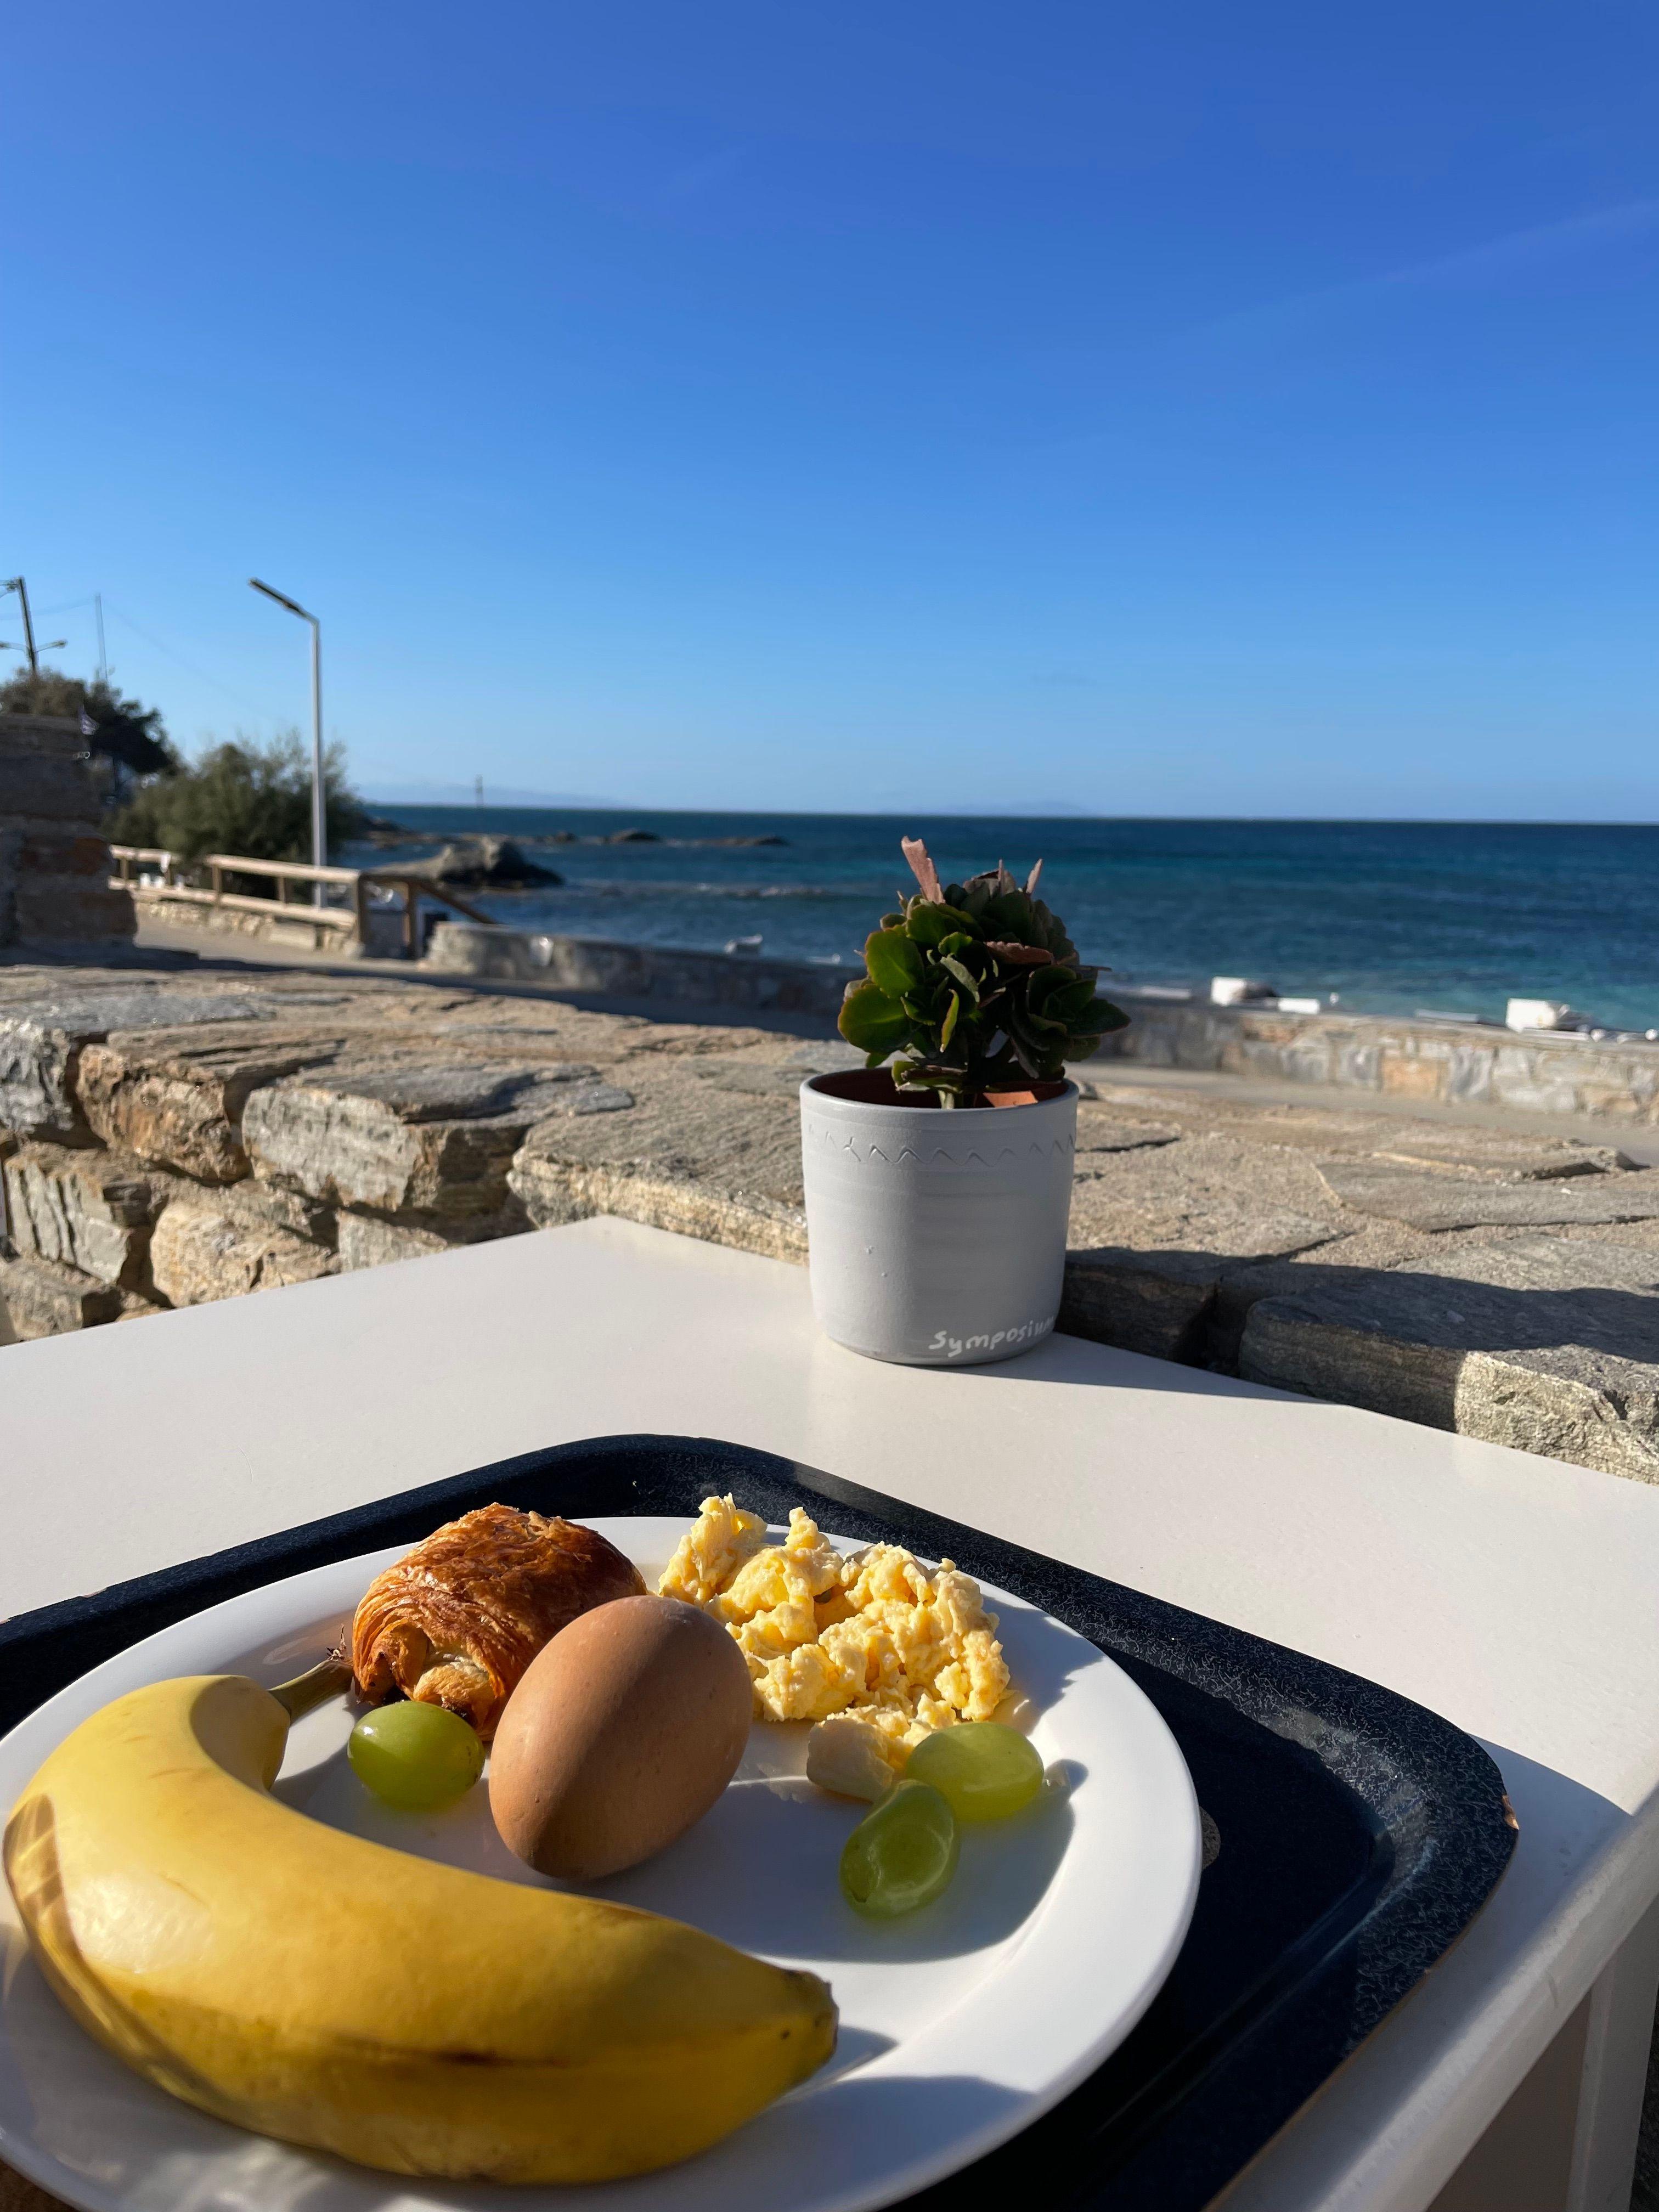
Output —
<point x="823" y="1634"/>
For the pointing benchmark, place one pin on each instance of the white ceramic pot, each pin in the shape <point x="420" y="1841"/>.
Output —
<point x="937" y="1237"/>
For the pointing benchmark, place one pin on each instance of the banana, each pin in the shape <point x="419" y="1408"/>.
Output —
<point x="310" y="1985"/>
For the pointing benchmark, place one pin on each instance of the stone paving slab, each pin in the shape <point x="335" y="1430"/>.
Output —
<point x="422" y="1141"/>
<point x="42" y="1028"/>
<point x="1156" y="1231"/>
<point x="1365" y="1248"/>
<point x="691" y="1156"/>
<point x="1536" y="1341"/>
<point x="1519" y="1159"/>
<point x="1427" y="1200"/>
<point x="175" y="1097"/>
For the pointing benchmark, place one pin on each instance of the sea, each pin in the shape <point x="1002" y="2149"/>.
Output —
<point x="1381" y="917"/>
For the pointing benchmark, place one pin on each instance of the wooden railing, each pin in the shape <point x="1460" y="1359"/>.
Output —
<point x="345" y="924"/>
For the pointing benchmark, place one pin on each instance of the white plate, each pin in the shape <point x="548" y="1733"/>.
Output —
<point x="958" y="2026"/>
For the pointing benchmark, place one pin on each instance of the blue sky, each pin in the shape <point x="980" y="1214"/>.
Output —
<point x="1157" y="409"/>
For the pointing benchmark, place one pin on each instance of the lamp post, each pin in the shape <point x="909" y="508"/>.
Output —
<point x="319" y="817"/>
<point x="16" y="584"/>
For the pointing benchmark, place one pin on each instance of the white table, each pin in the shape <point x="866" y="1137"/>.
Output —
<point x="1519" y="1597"/>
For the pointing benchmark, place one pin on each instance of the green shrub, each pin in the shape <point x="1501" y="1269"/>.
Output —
<point x="242" y="798"/>
<point x="973" y="987"/>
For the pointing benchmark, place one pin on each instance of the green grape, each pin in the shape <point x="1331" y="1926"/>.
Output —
<point x="416" y="1757"/>
<point x="985" y="1770"/>
<point x="902" y="1854"/>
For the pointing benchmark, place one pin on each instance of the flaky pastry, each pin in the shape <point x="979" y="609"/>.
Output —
<point x="455" y="1621"/>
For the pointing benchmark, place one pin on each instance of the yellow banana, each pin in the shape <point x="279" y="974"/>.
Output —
<point x="311" y="1985"/>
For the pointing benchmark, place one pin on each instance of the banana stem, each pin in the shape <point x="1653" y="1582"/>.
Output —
<point x="328" y="1677"/>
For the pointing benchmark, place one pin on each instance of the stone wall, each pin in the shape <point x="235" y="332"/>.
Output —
<point x="54" y="860"/>
<point x="669" y="972"/>
<point x="170" y="1140"/>
<point x="1447" y="1063"/>
<point x="1440" y="1062"/>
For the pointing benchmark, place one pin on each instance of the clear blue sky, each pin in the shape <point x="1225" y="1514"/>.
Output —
<point x="1157" y="409"/>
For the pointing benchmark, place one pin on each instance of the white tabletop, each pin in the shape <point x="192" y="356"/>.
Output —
<point x="1515" y="1594"/>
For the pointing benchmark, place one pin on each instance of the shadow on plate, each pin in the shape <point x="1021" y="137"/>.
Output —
<point x="126" y="2142"/>
<point x="761" y="1870"/>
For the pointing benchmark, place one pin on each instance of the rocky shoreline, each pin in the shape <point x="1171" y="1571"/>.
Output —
<point x="169" y="1139"/>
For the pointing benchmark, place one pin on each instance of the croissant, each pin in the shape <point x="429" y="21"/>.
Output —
<point x="455" y="1621"/>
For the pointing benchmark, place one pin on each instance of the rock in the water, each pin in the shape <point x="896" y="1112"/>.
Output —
<point x="1442" y="1201"/>
<point x="483" y="864"/>
<point x="1544" y="1343"/>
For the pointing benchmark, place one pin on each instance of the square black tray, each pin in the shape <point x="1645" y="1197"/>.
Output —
<point x="1359" y="1833"/>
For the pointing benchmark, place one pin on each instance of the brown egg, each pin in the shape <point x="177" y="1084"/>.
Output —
<point x="622" y="1732"/>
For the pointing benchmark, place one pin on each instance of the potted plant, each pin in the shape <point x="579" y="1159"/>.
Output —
<point x="938" y="1188"/>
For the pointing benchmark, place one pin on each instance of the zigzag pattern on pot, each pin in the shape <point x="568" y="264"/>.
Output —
<point x="826" y="1133"/>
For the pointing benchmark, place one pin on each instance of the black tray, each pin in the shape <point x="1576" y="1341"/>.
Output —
<point x="1359" y="1834"/>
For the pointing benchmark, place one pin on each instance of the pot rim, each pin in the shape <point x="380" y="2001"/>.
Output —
<point x="811" y="1094"/>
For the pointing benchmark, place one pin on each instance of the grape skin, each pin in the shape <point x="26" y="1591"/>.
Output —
<point x="414" y="1756"/>
<point x="986" y="1770"/>
<point x="900" y="1855"/>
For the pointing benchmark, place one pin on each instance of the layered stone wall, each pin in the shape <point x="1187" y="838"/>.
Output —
<point x="1446" y="1063"/>
<point x="54" y="860"/>
<point x="169" y="1139"/>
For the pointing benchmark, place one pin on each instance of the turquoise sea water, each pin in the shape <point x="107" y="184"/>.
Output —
<point x="1392" y="916"/>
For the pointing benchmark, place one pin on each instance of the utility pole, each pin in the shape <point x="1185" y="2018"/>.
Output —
<point x="319" y="817"/>
<point x="16" y="584"/>
<point x="477" y="790"/>
<point x="103" y="659"/>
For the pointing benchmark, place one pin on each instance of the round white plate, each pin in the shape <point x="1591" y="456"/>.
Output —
<point x="958" y="2026"/>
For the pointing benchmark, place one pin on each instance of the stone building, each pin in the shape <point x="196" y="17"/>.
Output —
<point x="54" y="860"/>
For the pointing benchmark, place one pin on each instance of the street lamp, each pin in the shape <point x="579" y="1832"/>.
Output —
<point x="16" y="584"/>
<point x="319" y="817"/>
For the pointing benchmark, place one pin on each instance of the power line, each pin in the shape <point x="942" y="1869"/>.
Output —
<point x="189" y="667"/>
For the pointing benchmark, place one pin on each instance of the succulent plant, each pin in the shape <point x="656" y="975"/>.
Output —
<point x="974" y="987"/>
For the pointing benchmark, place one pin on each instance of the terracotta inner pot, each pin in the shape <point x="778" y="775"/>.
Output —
<point x="874" y="1086"/>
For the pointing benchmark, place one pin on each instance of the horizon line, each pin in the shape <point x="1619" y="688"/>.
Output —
<point x="548" y="805"/>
